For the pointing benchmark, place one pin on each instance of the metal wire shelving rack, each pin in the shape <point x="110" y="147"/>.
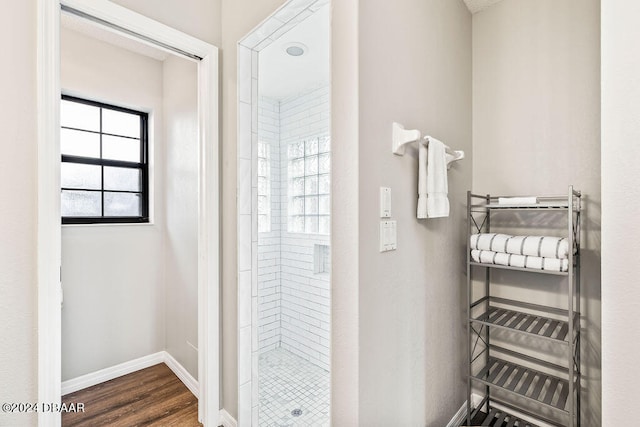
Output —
<point x="515" y="381"/>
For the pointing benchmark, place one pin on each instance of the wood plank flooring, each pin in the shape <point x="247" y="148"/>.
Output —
<point x="150" y="397"/>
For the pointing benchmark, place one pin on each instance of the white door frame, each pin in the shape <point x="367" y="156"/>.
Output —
<point x="49" y="229"/>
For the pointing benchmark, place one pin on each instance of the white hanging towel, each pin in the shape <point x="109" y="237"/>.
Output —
<point x="422" y="181"/>
<point x="437" y="186"/>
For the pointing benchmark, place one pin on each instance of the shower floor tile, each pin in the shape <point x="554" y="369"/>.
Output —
<point x="288" y="383"/>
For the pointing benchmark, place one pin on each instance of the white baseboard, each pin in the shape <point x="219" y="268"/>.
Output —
<point x="112" y="372"/>
<point x="184" y="375"/>
<point x="460" y="416"/>
<point x="125" y="368"/>
<point x="226" y="420"/>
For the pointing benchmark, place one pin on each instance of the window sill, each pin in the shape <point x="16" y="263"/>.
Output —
<point x="111" y="224"/>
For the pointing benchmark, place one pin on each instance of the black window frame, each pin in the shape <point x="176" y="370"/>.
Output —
<point x="143" y="166"/>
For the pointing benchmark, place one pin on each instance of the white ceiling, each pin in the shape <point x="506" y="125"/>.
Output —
<point x="282" y="75"/>
<point x="478" y="5"/>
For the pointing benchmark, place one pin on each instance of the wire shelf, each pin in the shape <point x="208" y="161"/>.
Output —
<point x="527" y="323"/>
<point x="545" y="389"/>
<point x="500" y="418"/>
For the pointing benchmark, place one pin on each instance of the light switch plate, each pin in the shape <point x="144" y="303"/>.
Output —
<point x="388" y="236"/>
<point x="385" y="202"/>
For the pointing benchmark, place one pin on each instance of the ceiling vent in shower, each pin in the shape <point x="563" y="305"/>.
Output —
<point x="295" y="49"/>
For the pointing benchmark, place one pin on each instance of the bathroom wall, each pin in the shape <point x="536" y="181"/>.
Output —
<point x="18" y="190"/>
<point x="414" y="68"/>
<point x="180" y="227"/>
<point x="536" y="130"/>
<point x="620" y="205"/>
<point x="199" y="18"/>
<point x="345" y="342"/>
<point x="113" y="283"/>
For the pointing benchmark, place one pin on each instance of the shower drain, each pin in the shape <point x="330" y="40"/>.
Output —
<point x="296" y="412"/>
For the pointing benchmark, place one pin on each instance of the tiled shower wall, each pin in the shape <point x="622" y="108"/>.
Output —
<point x="305" y="308"/>
<point x="269" y="313"/>
<point x="293" y="298"/>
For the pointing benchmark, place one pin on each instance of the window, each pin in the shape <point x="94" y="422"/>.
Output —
<point x="104" y="169"/>
<point x="264" y="188"/>
<point x="309" y="164"/>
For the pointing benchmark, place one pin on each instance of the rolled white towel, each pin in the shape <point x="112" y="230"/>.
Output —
<point x="517" y="200"/>
<point x="540" y="246"/>
<point x="521" y="261"/>
<point x="490" y="242"/>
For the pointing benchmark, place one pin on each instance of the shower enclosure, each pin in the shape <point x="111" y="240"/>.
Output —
<point x="284" y="332"/>
<point x="293" y="255"/>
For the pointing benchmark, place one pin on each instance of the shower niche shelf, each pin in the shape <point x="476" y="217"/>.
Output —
<point x="516" y="380"/>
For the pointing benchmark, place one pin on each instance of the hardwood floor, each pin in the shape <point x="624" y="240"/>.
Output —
<point x="150" y="397"/>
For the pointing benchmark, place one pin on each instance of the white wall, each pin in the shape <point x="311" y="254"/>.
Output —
<point x="180" y="227"/>
<point x="536" y="130"/>
<point x="620" y="205"/>
<point x="345" y="344"/>
<point x="18" y="303"/>
<point x="199" y="18"/>
<point x="415" y="68"/>
<point x="112" y="278"/>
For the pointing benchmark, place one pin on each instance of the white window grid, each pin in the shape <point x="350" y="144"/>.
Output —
<point x="264" y="188"/>
<point x="309" y="182"/>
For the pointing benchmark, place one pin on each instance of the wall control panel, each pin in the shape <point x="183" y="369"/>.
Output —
<point x="388" y="236"/>
<point x="385" y="202"/>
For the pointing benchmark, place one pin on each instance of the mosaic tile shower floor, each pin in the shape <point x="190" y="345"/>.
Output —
<point x="287" y="383"/>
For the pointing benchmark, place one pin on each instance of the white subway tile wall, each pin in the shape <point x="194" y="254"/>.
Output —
<point x="269" y="315"/>
<point x="293" y="297"/>
<point x="264" y="187"/>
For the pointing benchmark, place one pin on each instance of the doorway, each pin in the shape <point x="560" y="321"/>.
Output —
<point x="115" y="19"/>
<point x="284" y="258"/>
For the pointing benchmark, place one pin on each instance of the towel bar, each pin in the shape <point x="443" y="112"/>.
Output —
<point x="402" y="136"/>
